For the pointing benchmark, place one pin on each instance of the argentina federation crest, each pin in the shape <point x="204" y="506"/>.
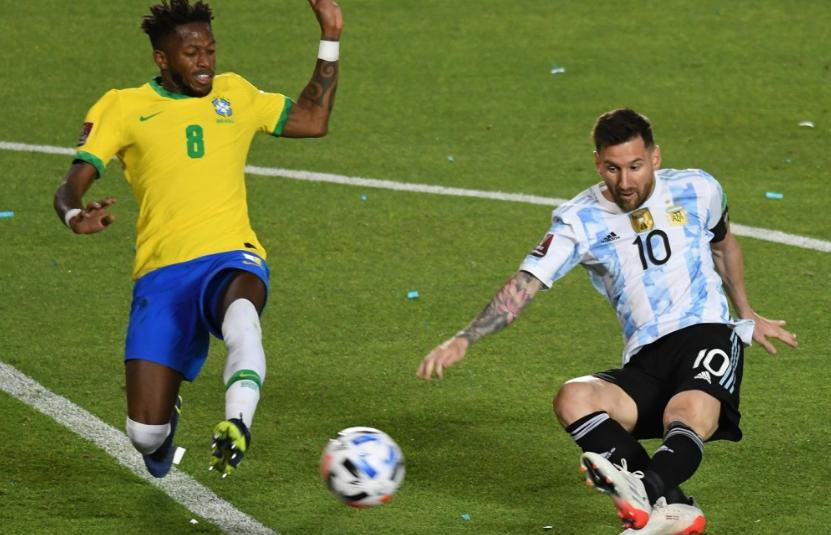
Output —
<point x="641" y="220"/>
<point x="676" y="216"/>
<point x="222" y="107"/>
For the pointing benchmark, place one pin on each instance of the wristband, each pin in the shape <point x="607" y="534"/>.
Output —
<point x="329" y="50"/>
<point x="67" y="217"/>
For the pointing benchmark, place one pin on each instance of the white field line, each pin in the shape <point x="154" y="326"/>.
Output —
<point x="193" y="495"/>
<point x="758" y="233"/>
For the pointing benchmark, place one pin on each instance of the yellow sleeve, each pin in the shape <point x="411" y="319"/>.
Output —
<point x="102" y="134"/>
<point x="269" y="106"/>
<point x="270" y="109"/>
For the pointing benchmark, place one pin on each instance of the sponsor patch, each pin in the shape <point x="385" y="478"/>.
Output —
<point x="641" y="220"/>
<point x="541" y="249"/>
<point x="85" y="130"/>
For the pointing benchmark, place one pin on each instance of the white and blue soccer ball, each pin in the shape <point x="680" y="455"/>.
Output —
<point x="362" y="466"/>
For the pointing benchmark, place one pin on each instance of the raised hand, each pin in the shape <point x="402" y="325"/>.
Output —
<point x="329" y="17"/>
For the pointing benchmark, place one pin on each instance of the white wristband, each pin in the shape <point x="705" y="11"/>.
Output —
<point x="329" y="50"/>
<point x="67" y="217"/>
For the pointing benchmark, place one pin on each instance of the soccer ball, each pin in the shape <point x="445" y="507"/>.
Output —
<point x="362" y="466"/>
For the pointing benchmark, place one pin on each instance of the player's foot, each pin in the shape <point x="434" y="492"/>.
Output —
<point x="230" y="441"/>
<point x="672" y="519"/>
<point x="625" y="488"/>
<point x="159" y="462"/>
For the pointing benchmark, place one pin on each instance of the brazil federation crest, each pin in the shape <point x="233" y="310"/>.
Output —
<point x="222" y="107"/>
<point x="641" y="220"/>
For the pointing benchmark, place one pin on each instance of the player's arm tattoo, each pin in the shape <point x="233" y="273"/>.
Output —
<point x="320" y="91"/>
<point x="503" y="308"/>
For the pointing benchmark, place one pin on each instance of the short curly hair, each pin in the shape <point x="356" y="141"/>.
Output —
<point x="165" y="17"/>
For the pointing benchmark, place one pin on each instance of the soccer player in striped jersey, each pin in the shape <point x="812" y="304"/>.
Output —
<point x="182" y="139"/>
<point x="657" y="245"/>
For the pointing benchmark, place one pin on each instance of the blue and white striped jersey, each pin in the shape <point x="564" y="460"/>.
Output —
<point x="654" y="264"/>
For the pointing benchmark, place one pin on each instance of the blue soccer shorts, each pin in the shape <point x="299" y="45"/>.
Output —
<point x="173" y="309"/>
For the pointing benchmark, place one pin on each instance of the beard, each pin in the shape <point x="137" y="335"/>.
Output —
<point x="186" y="88"/>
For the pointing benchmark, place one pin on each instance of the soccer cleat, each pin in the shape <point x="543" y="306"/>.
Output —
<point x="625" y="488"/>
<point x="230" y="441"/>
<point x="159" y="462"/>
<point x="672" y="519"/>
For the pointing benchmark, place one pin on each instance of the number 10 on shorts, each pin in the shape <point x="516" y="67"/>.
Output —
<point x="705" y="358"/>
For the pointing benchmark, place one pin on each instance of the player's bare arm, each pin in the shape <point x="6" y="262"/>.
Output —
<point x="503" y="309"/>
<point x="94" y="217"/>
<point x="310" y="115"/>
<point x="729" y="262"/>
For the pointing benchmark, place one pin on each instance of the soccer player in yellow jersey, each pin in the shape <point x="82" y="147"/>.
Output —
<point x="182" y="140"/>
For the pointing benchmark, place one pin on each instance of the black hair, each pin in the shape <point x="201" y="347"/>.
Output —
<point x="165" y="17"/>
<point x="619" y="126"/>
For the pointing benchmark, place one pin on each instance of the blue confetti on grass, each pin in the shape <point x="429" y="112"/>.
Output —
<point x="6" y="213"/>
<point x="465" y="516"/>
<point x="412" y="294"/>
<point x="774" y="195"/>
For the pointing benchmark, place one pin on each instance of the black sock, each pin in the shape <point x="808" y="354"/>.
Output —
<point x="598" y="433"/>
<point x="675" y="461"/>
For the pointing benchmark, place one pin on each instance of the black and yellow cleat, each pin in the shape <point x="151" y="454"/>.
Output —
<point x="231" y="440"/>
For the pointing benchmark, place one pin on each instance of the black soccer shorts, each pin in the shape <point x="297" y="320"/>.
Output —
<point x="707" y="357"/>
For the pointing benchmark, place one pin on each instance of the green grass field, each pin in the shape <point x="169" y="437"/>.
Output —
<point x="725" y="84"/>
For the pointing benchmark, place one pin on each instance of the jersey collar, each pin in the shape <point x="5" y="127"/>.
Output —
<point x="657" y="192"/>
<point x="157" y="87"/>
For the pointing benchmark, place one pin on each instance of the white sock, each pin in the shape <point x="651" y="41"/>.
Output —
<point x="245" y="366"/>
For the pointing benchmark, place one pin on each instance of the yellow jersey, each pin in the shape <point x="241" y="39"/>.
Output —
<point x="184" y="158"/>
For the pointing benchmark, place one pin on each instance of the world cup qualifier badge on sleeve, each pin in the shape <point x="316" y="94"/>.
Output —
<point x="85" y="130"/>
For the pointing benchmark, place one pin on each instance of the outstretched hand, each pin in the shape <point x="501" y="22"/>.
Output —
<point x="329" y="17"/>
<point x="94" y="217"/>
<point x="765" y="328"/>
<point x="444" y="356"/>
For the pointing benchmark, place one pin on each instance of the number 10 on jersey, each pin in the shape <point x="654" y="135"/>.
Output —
<point x="645" y="248"/>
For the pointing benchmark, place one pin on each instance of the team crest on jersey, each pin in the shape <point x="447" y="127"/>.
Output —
<point x="85" y="130"/>
<point x="641" y="220"/>
<point x="222" y="107"/>
<point x="677" y="216"/>
<point x="541" y="249"/>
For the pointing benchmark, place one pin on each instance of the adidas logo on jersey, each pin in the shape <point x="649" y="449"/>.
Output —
<point x="610" y="237"/>
<point x="704" y="375"/>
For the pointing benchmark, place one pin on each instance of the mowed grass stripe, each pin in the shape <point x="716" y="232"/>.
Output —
<point x="179" y="486"/>
<point x="758" y="233"/>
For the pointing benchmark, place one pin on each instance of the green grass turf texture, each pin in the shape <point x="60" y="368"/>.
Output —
<point x="725" y="83"/>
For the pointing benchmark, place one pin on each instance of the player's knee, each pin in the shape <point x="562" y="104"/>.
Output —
<point x="574" y="400"/>
<point x="147" y="438"/>
<point x="697" y="410"/>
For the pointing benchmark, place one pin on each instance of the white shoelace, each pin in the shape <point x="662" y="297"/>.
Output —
<point x="623" y="467"/>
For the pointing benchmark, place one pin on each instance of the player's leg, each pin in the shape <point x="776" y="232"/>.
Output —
<point x="152" y="412"/>
<point x="242" y="300"/>
<point x="690" y="418"/>
<point x="705" y="405"/>
<point x="600" y="416"/>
